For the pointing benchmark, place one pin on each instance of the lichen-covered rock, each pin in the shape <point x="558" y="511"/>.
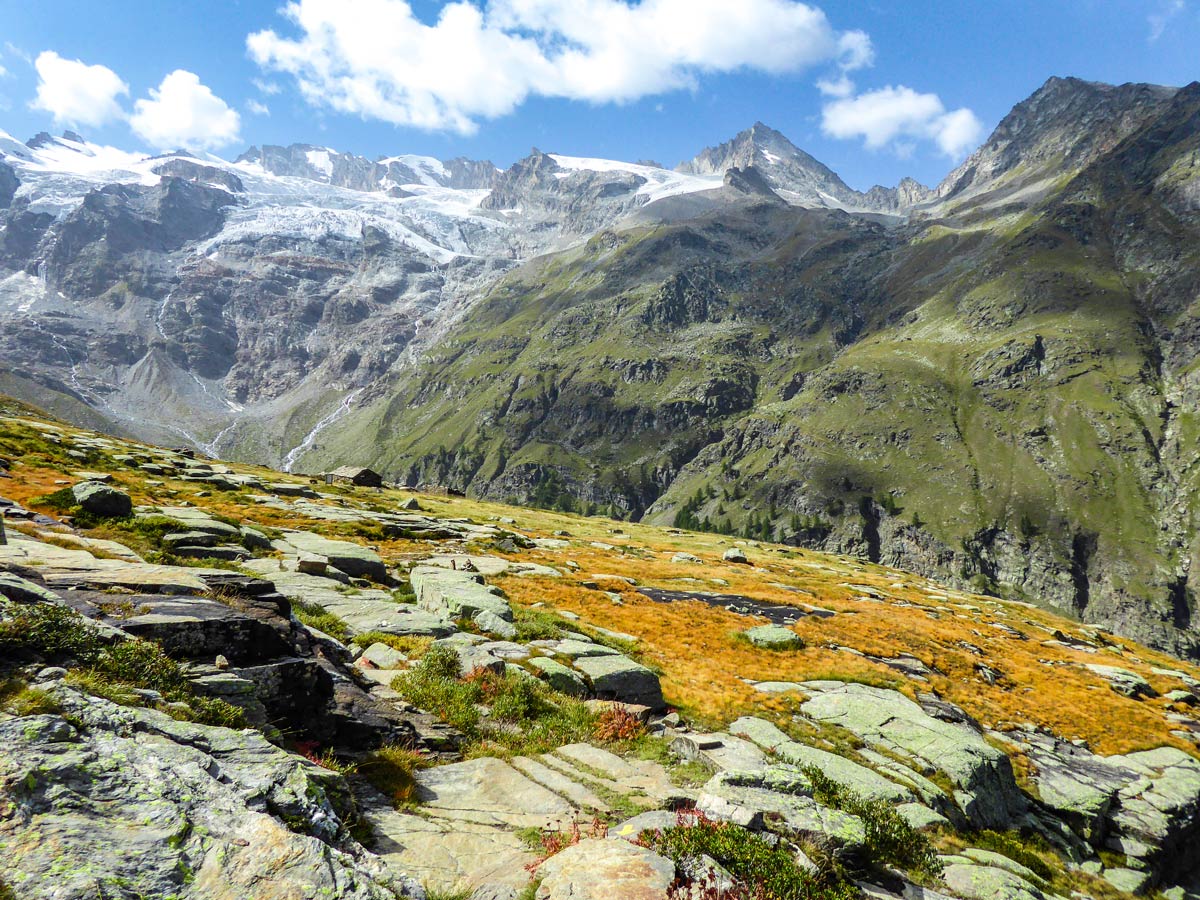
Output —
<point x="604" y="869"/>
<point x="353" y="559"/>
<point x="781" y="792"/>
<point x="102" y="500"/>
<point x="620" y="678"/>
<point x="454" y="594"/>
<point x="986" y="790"/>
<point x="560" y="677"/>
<point x="134" y="801"/>
<point x="978" y="882"/>
<point x="773" y="637"/>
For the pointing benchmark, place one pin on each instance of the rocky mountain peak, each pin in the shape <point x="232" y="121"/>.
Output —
<point x="794" y="175"/>
<point x="1066" y="123"/>
<point x="758" y="145"/>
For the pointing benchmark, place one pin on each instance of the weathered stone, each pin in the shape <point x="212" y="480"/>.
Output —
<point x="189" y="811"/>
<point x="1124" y="681"/>
<point x="720" y="752"/>
<point x="647" y="778"/>
<point x="578" y="649"/>
<point x="735" y="555"/>
<point x="454" y="594"/>
<point x="1157" y="815"/>
<point x="773" y="637"/>
<point x="493" y="624"/>
<point x="21" y="590"/>
<point x="559" y="676"/>
<point x="578" y="795"/>
<point x="363" y="610"/>
<point x="190" y="518"/>
<point x="353" y="559"/>
<point x="600" y="869"/>
<point x="975" y="882"/>
<point x="194" y="538"/>
<point x="1080" y="786"/>
<point x="620" y="678"/>
<point x="782" y="792"/>
<point x="986" y="791"/>
<point x="1131" y="881"/>
<point x="653" y="820"/>
<point x="102" y="500"/>
<point x="471" y="659"/>
<point x="381" y="656"/>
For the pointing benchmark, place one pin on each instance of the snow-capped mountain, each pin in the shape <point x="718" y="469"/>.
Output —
<point x="796" y="176"/>
<point x="238" y="306"/>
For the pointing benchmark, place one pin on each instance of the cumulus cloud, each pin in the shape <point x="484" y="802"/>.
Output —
<point x="182" y="112"/>
<point x="376" y="59"/>
<point x="257" y="108"/>
<point x="897" y="116"/>
<point x="75" y="93"/>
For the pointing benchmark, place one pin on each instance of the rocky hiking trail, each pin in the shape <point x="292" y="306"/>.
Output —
<point x="218" y="681"/>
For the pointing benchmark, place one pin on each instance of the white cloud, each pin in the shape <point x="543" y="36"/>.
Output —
<point x="76" y="93"/>
<point x="376" y="59"/>
<point x="897" y="116"/>
<point x="269" y="88"/>
<point x="258" y="109"/>
<point x="855" y="51"/>
<point x="842" y="86"/>
<point x="182" y="112"/>
<point x="1160" y="19"/>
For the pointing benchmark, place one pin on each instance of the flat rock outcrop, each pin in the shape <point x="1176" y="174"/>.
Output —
<point x="189" y="811"/>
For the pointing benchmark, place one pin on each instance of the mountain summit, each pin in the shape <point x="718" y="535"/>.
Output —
<point x="793" y="174"/>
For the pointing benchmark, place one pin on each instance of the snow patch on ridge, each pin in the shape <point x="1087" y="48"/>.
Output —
<point x="660" y="183"/>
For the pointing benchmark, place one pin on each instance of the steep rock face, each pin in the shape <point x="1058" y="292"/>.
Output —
<point x="1065" y="124"/>
<point x="89" y="251"/>
<point x="8" y="185"/>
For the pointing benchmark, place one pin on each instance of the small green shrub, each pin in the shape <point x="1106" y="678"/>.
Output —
<point x="545" y="718"/>
<point x="57" y="634"/>
<point x="49" y="632"/>
<point x="520" y="700"/>
<point x="762" y="871"/>
<point x="1017" y="848"/>
<point x="62" y="500"/>
<point x="433" y="686"/>
<point x="314" y="616"/>
<point x="432" y="893"/>
<point x="537" y="625"/>
<point x="97" y="685"/>
<point x="890" y="838"/>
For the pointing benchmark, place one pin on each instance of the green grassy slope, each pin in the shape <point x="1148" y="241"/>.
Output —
<point x="1004" y="396"/>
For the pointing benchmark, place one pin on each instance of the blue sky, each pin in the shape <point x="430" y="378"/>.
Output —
<point x="909" y="87"/>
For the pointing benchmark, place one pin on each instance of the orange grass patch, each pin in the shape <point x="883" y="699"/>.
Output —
<point x="704" y="668"/>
